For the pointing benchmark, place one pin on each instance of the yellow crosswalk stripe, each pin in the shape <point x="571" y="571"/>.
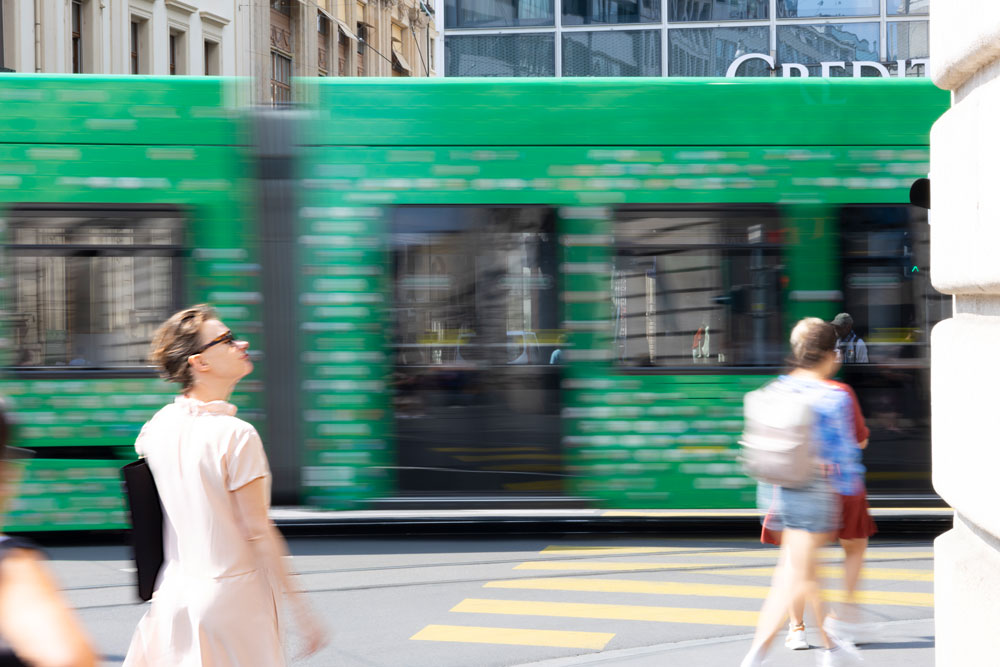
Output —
<point x="595" y="585"/>
<point x="885" y="574"/>
<point x="619" y="612"/>
<point x="608" y="565"/>
<point x="867" y="574"/>
<point x="514" y="636"/>
<point x="762" y="553"/>
<point x="612" y="551"/>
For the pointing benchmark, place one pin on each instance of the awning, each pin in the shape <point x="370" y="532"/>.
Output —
<point x="344" y="29"/>
<point x="400" y="60"/>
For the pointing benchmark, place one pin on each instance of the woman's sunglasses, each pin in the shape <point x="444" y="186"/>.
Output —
<point x="224" y="338"/>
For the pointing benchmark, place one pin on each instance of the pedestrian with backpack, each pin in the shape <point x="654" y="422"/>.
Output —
<point x="856" y="526"/>
<point x="799" y="437"/>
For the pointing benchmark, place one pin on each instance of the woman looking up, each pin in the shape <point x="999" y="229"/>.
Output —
<point x="217" y="598"/>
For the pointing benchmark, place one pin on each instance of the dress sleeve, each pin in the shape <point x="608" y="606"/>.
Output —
<point x="861" y="431"/>
<point x="843" y="446"/>
<point x="245" y="458"/>
<point x="138" y="440"/>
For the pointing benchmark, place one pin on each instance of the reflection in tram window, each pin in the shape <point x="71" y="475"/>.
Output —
<point x="697" y="286"/>
<point x="476" y="316"/>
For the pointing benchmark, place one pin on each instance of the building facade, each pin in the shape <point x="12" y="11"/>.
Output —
<point x="965" y="232"/>
<point x="269" y="40"/>
<point x="684" y="37"/>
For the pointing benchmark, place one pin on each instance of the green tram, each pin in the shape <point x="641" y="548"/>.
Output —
<point x="462" y="293"/>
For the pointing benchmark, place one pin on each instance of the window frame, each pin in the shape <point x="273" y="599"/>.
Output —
<point x="212" y="56"/>
<point x="323" y="31"/>
<point x="143" y="24"/>
<point x="172" y="48"/>
<point x="175" y="251"/>
<point x="280" y="84"/>
<point x="76" y="36"/>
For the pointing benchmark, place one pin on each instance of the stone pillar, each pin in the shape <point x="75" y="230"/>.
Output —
<point x="965" y="360"/>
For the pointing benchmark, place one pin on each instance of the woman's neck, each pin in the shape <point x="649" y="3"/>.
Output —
<point x="206" y="393"/>
<point x="808" y="374"/>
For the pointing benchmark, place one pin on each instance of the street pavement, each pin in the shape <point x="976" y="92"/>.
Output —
<point x="546" y="602"/>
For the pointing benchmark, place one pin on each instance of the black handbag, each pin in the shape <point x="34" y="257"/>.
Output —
<point x="147" y="524"/>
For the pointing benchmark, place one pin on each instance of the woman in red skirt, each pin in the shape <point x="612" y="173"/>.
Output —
<point x="856" y="526"/>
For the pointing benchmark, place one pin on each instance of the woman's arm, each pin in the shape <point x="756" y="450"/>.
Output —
<point x="270" y="549"/>
<point x="844" y="449"/>
<point x="35" y="620"/>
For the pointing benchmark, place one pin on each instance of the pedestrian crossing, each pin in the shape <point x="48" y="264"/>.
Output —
<point x="867" y="574"/>
<point x="679" y="585"/>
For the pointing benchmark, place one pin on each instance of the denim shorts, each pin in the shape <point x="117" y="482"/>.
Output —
<point x="813" y="508"/>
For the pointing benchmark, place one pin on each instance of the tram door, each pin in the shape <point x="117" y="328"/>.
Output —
<point x="476" y="381"/>
<point x="888" y="295"/>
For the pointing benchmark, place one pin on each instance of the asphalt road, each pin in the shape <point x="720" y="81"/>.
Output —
<point x="545" y="602"/>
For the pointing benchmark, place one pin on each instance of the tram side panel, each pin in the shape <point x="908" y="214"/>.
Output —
<point x="123" y="200"/>
<point x="659" y="433"/>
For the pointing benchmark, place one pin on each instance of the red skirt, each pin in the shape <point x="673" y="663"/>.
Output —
<point x="855" y="521"/>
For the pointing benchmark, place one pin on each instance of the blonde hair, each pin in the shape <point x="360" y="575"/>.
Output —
<point x="811" y="339"/>
<point x="176" y="340"/>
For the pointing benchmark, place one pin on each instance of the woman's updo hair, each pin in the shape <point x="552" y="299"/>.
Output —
<point x="812" y="339"/>
<point x="176" y="340"/>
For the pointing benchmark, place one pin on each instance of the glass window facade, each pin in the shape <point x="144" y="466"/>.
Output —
<point x="498" y="13"/>
<point x="810" y="45"/>
<point x="528" y="54"/>
<point x="826" y="8"/>
<point x="907" y="39"/>
<point x="908" y="7"/>
<point x="718" y="10"/>
<point x="587" y="12"/>
<point x="709" y="51"/>
<point x="619" y="53"/>
<point x="692" y="38"/>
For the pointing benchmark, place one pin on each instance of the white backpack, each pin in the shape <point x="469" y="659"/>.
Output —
<point x="777" y="443"/>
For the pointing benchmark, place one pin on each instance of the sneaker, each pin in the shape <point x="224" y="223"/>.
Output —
<point x="840" y="633"/>
<point x="831" y="657"/>
<point x="753" y="659"/>
<point x="849" y="632"/>
<point x="796" y="638"/>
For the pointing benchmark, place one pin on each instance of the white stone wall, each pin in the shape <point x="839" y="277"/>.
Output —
<point x="965" y="350"/>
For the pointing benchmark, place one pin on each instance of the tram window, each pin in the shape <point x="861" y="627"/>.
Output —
<point x="475" y="286"/>
<point x="697" y="287"/>
<point x="887" y="290"/>
<point x="89" y="286"/>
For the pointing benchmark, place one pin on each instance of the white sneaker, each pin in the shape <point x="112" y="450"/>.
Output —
<point x="832" y="657"/>
<point x="795" y="640"/>
<point x="753" y="660"/>
<point x="849" y="632"/>
<point x="840" y="633"/>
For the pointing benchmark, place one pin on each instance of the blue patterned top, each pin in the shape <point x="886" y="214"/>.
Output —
<point x="833" y="431"/>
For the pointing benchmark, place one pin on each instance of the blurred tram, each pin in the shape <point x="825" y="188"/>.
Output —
<point x="463" y="293"/>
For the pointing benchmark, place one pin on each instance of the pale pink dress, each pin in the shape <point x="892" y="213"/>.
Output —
<point x="212" y="606"/>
